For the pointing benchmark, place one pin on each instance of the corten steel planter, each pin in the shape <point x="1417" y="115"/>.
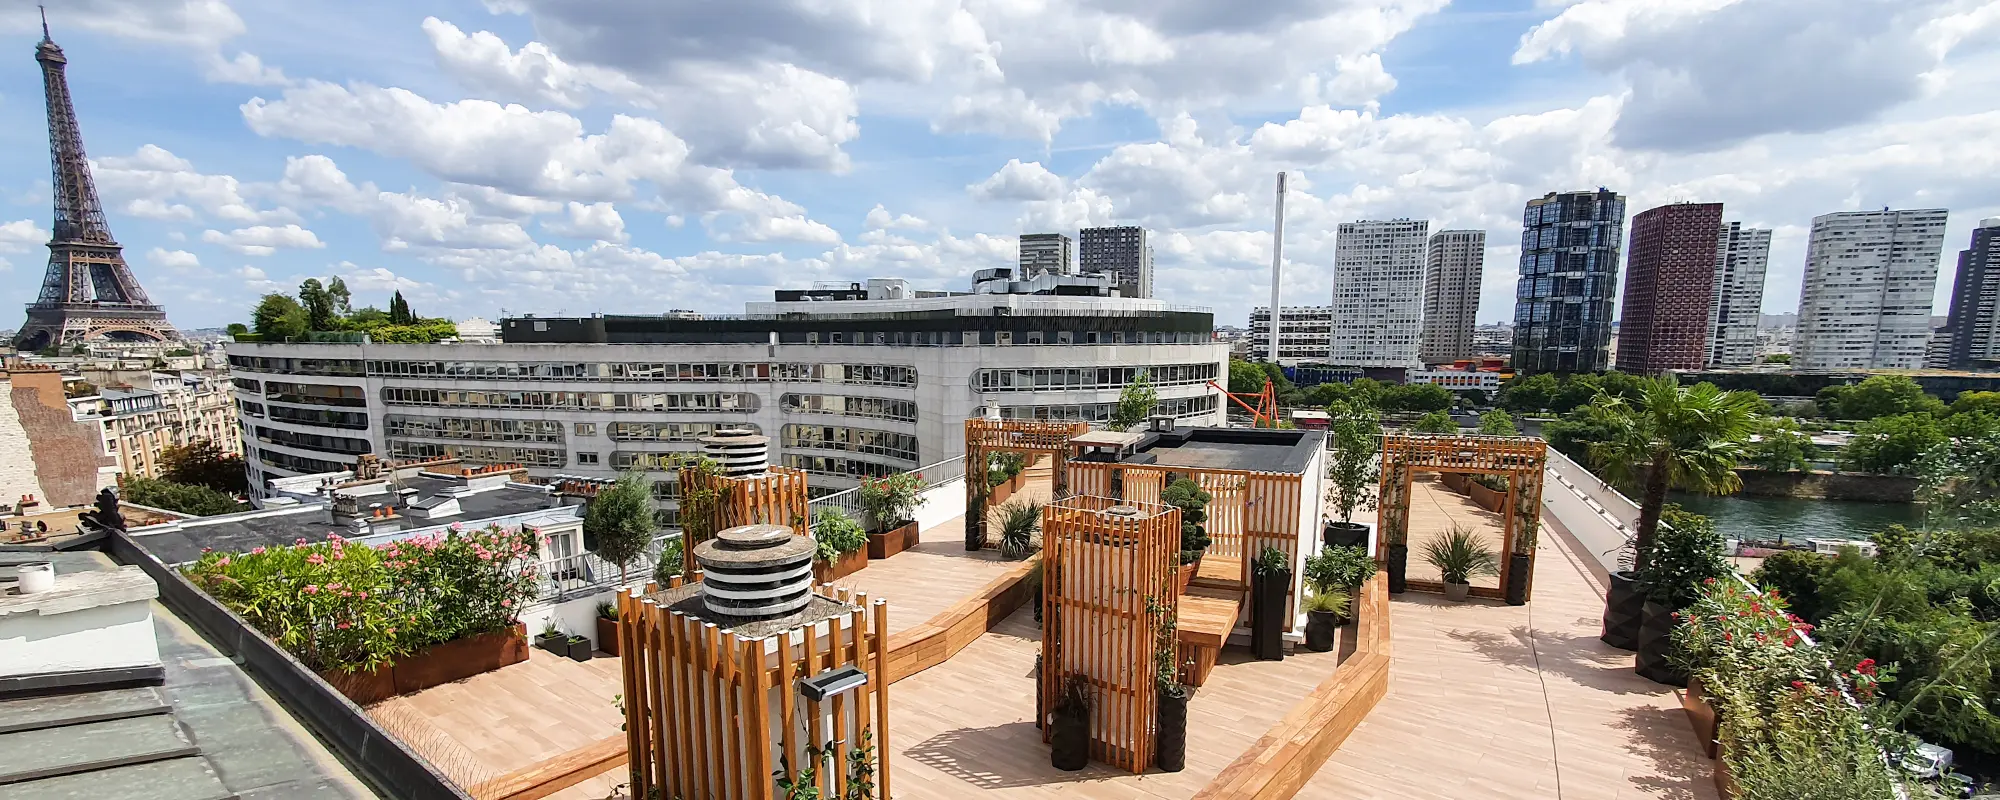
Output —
<point x="1702" y="715"/>
<point x="847" y="564"/>
<point x="440" y="664"/>
<point x="1454" y="481"/>
<point x="1343" y="534"/>
<point x="1725" y="784"/>
<point x="1656" y="628"/>
<point x="607" y="635"/>
<point x="1518" y="573"/>
<point x="892" y="541"/>
<point x="1487" y="498"/>
<point x="1267" y="614"/>
<point x="1623" y="606"/>
<point x="1399" y="560"/>
<point x="1320" y="627"/>
<point x="1170" y="744"/>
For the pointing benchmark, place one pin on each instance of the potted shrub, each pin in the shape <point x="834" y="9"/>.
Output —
<point x="1192" y="500"/>
<point x="578" y="647"/>
<point x="1069" y="731"/>
<point x="1019" y="521"/>
<point x="1324" y="611"/>
<point x="1270" y="583"/>
<point x="1460" y="556"/>
<point x="1170" y="743"/>
<point x="1003" y="474"/>
<point x="551" y="638"/>
<point x="1686" y="551"/>
<point x="888" y="506"/>
<point x="618" y="522"/>
<point x="607" y="628"/>
<point x="1355" y="436"/>
<point x="1341" y="569"/>
<point x="843" y="546"/>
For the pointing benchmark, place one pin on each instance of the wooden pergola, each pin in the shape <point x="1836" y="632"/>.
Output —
<point x="984" y="437"/>
<point x="1522" y="460"/>
<point x="777" y="497"/>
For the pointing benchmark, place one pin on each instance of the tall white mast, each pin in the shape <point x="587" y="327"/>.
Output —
<point x="1277" y="265"/>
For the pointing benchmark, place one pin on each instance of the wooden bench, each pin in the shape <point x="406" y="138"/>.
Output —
<point x="1206" y="618"/>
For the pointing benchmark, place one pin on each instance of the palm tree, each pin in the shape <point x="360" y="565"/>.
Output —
<point x="1679" y="437"/>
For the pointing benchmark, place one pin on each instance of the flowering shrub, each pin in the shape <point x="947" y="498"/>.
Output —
<point x="342" y="605"/>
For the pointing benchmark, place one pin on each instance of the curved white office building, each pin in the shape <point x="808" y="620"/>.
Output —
<point x="844" y="388"/>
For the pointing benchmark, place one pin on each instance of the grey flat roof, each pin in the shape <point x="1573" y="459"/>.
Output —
<point x="208" y="732"/>
<point x="1249" y="449"/>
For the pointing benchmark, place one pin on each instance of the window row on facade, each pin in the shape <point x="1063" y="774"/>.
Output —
<point x="299" y="464"/>
<point x="1101" y="412"/>
<point x="473" y="429"/>
<point x="403" y="450"/>
<point x="314" y="394"/>
<point x="865" y="374"/>
<point x="872" y="407"/>
<point x="601" y="401"/>
<point x="1056" y="378"/>
<point x="841" y="467"/>
<point x="313" y="441"/>
<point x="671" y="431"/>
<point x="852" y="440"/>
<point x="320" y="417"/>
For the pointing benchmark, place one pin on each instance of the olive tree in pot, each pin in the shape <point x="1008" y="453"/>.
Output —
<point x="1672" y="437"/>
<point x="618" y="522"/>
<point x="1270" y="582"/>
<point x="1170" y="744"/>
<point x="1192" y="500"/>
<point x="1069" y="724"/>
<point x="1459" y="556"/>
<point x="1355" y="434"/>
<point x="1687" y="551"/>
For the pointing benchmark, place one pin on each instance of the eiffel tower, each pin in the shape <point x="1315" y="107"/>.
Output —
<point x="89" y="292"/>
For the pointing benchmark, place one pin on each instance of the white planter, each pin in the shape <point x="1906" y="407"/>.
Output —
<point x="36" y="577"/>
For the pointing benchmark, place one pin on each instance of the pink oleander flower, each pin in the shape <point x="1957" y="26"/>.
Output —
<point x="343" y="626"/>
<point x="300" y="540"/>
<point x="257" y="551"/>
<point x="315" y="559"/>
<point x="223" y="562"/>
<point x="333" y="587"/>
<point x="312" y="588"/>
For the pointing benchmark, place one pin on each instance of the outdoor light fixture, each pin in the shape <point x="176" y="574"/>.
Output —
<point x="832" y="682"/>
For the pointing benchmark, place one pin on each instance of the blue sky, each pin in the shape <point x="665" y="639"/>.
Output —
<point x="634" y="156"/>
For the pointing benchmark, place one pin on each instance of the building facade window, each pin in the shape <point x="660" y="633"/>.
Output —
<point x="315" y="394"/>
<point x="488" y="430"/>
<point x="671" y="431"/>
<point x="872" y="407"/>
<point x="312" y="441"/>
<point x="584" y="459"/>
<point x="1044" y="379"/>
<point x="605" y="401"/>
<point x="1179" y="407"/>
<point x="402" y="449"/>
<point x="852" y="440"/>
<point x="835" y="465"/>
<point x="321" y="417"/>
<point x="586" y="429"/>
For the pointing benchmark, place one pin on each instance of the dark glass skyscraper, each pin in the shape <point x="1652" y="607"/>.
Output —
<point x="1569" y="276"/>
<point x="1974" y="325"/>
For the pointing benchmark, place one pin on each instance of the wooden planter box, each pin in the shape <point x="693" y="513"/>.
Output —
<point x="1187" y="572"/>
<point x="607" y="635"/>
<point x="892" y="541"/>
<point x="1000" y="494"/>
<point x="1454" y="481"/>
<point x="1487" y="498"/>
<point x="441" y="664"/>
<point x="849" y="564"/>
<point x="1725" y="786"/>
<point x="1701" y="715"/>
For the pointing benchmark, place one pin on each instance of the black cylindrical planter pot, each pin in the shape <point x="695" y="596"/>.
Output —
<point x="1267" y="615"/>
<point x="975" y="534"/>
<point x="1399" y="559"/>
<point x="1069" y="743"/>
<point x="1343" y="534"/>
<point x="1170" y="747"/>
<point x="1623" y="605"/>
<point x="1517" y="579"/>
<point x="1656" y="628"/>
<point x="1320" y="627"/>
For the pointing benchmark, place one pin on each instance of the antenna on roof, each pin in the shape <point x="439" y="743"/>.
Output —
<point x="45" y="22"/>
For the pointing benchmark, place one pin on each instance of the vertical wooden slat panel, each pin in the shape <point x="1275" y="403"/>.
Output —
<point x="703" y="719"/>
<point x="814" y="735"/>
<point x="881" y="669"/>
<point x="757" y="772"/>
<point x="786" y="681"/>
<point x="730" y="712"/>
<point x="655" y="691"/>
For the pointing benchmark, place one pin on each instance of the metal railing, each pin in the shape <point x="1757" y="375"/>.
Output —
<point x="934" y="475"/>
<point x="585" y="574"/>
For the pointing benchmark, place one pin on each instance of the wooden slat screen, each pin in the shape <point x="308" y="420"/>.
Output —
<point x="1101" y="571"/>
<point x="1523" y="460"/>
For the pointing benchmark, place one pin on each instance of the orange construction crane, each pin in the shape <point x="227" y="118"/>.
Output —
<point x="1262" y="415"/>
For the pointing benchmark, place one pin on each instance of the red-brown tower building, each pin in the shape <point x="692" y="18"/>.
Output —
<point x="1669" y="285"/>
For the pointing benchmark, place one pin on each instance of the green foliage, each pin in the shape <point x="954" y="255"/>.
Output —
<point x="1332" y="601"/>
<point x="1781" y="447"/>
<point x="1892" y="445"/>
<point x="699" y="504"/>
<point x="1246" y="377"/>
<point x="420" y="332"/>
<point x="1435" y="422"/>
<point x="1878" y="396"/>
<point x="319" y="305"/>
<point x="669" y="565"/>
<point x="399" y="310"/>
<point x="1778" y="358"/>
<point x="1192" y="500"/>
<point x="1135" y="403"/>
<point x="1355" y="435"/>
<point x="1970" y="425"/>
<point x="278" y="318"/>
<point x="236" y="328"/>
<point x="837" y="534"/>
<point x="1001" y="467"/>
<point x="1338" y="568"/>
<point x="1529" y="393"/>
<point x="340" y="605"/>
<point x="1573" y="433"/>
<point x="1271" y="561"/>
<point x="1460" y="555"/>
<point x="343" y="300"/>
<point x="618" y="522"/>
<point x="607" y="611"/>
<point x="1019" y="521"/>
<point x="1796" y="575"/>
<point x="891" y="501"/>
<point x="1497" y="423"/>
<point x="1686" y="552"/>
<point x="202" y="463"/>
<point x="1681" y="437"/>
<point x="201" y="501"/>
<point x="1961" y="481"/>
<point x="1422" y="397"/>
<point x="1972" y="402"/>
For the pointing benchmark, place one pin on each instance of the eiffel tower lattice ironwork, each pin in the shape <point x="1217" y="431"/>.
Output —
<point x="89" y="292"/>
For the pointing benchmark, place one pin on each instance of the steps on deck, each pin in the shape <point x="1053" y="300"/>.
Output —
<point x="1220" y="572"/>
